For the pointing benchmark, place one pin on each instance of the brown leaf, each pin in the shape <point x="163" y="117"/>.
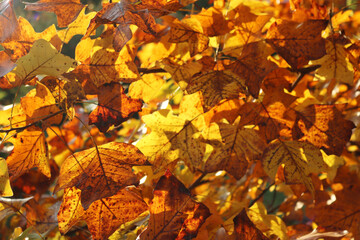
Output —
<point x="65" y="10"/>
<point x="273" y="115"/>
<point x="173" y="213"/>
<point x="103" y="216"/>
<point x="114" y="107"/>
<point x="244" y="228"/>
<point x="6" y="65"/>
<point x="253" y="66"/>
<point x="100" y="172"/>
<point x="297" y="42"/>
<point x="217" y="85"/>
<point x="320" y="125"/>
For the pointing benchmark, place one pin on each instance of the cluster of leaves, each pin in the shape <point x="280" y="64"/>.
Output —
<point x="235" y="121"/>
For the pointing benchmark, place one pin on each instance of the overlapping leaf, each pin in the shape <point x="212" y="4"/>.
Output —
<point x="319" y="125"/>
<point x="171" y="138"/>
<point x="334" y="65"/>
<point x="297" y="42"/>
<point x="173" y="213"/>
<point x="103" y="216"/>
<point x="66" y="10"/>
<point x="22" y="39"/>
<point x="106" y="66"/>
<point x="300" y="159"/>
<point x="244" y="228"/>
<point x="43" y="58"/>
<point x="114" y="107"/>
<point x="101" y="171"/>
<point x="234" y="147"/>
<point x="216" y="86"/>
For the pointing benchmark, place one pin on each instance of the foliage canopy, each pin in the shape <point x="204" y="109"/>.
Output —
<point x="225" y="119"/>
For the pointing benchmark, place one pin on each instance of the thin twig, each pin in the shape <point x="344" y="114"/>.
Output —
<point x="18" y="129"/>
<point x="261" y="194"/>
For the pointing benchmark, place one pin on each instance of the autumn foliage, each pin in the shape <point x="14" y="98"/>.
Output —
<point x="225" y="119"/>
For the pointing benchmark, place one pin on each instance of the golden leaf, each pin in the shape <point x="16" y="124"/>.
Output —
<point x="300" y="159"/>
<point x="5" y="188"/>
<point x="100" y="172"/>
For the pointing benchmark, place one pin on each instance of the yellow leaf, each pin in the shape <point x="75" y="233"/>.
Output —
<point x="5" y="188"/>
<point x="300" y="159"/>
<point x="43" y="58"/>
<point x="29" y="151"/>
<point x="217" y="85"/>
<point x="334" y="162"/>
<point x="234" y="146"/>
<point x="147" y="87"/>
<point x="270" y="225"/>
<point x="334" y="65"/>
<point x="171" y="139"/>
<point x="79" y="26"/>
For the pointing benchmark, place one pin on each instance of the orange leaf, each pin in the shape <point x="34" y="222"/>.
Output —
<point x="212" y="22"/>
<point x="65" y="10"/>
<point x="30" y="151"/>
<point x="103" y="216"/>
<point x="105" y="67"/>
<point x="100" y="172"/>
<point x="297" y="42"/>
<point x="173" y="213"/>
<point x="22" y="39"/>
<point x="39" y="104"/>
<point x="319" y="125"/>
<point x="114" y="107"/>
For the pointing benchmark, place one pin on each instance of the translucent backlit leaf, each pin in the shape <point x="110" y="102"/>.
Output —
<point x="114" y="107"/>
<point x="66" y="10"/>
<point x="101" y="172"/>
<point x="300" y="159"/>
<point x="334" y="65"/>
<point x="103" y="216"/>
<point x="5" y="188"/>
<point x="30" y="150"/>
<point x="78" y="26"/>
<point x="173" y="213"/>
<point x="43" y="58"/>
<point x="297" y="42"/>
<point x="216" y="86"/>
